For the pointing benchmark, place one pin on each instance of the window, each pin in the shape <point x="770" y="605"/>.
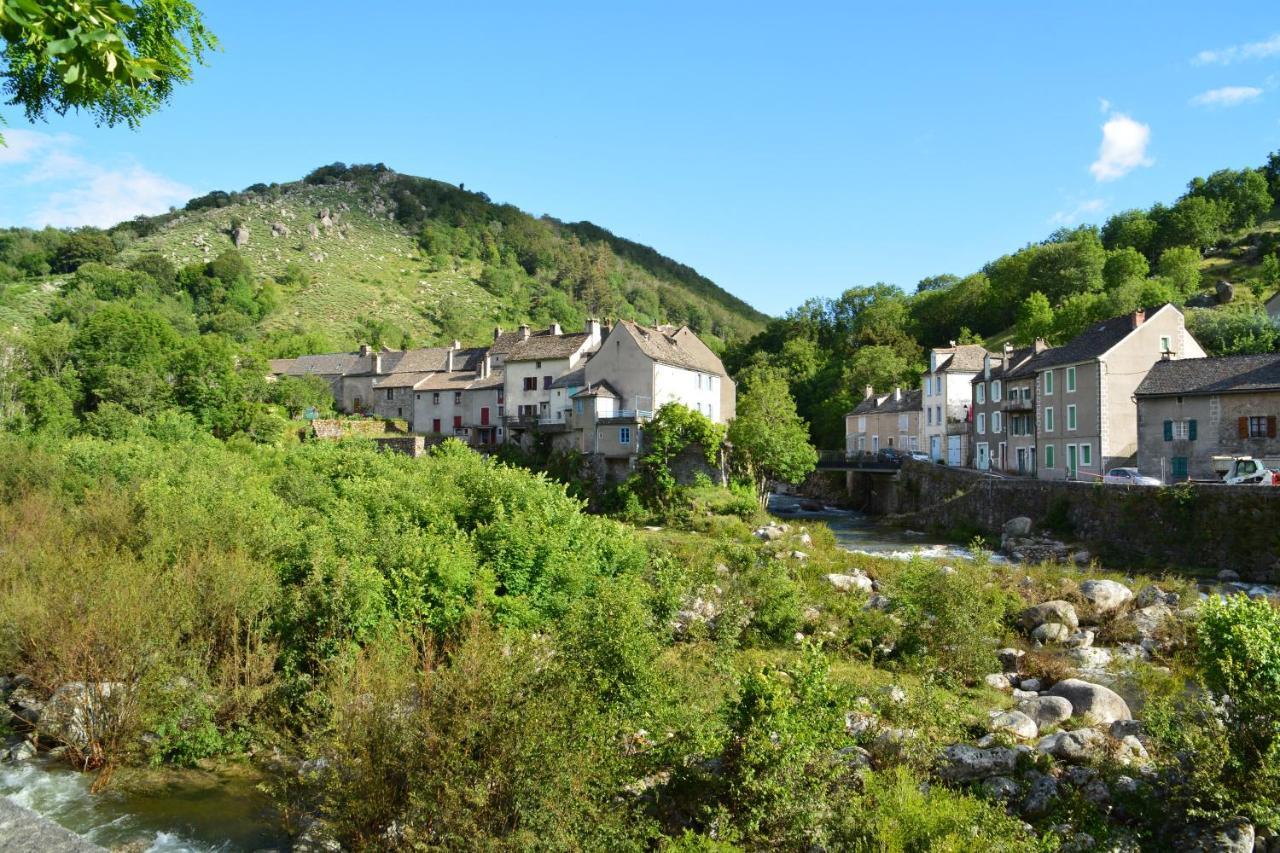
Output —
<point x="996" y="422"/>
<point x="1086" y="455"/>
<point x="1048" y="456"/>
<point x="388" y="393"/>
<point x="902" y="423"/>
<point x="577" y="406"/>
<point x="537" y="365"/>
<point x="546" y="383"/>
<point x="982" y="392"/>
<point x="928" y="416"/>
<point x="1071" y="380"/>
<point x="1259" y="427"/>
<point x="457" y="421"/>
<point x="624" y="435"/>
<point x="996" y="390"/>
<point x="982" y="423"/>
<point x="1048" y="418"/>
<point x="1166" y="343"/>
<point x="937" y="384"/>
<point x="457" y="398"/>
<point x="1048" y="382"/>
<point x="875" y="443"/>
<point x="1181" y="430"/>
<point x="435" y="425"/>
<point x="530" y="383"/>
<point x="937" y="411"/>
<point x="1071" y="417"/>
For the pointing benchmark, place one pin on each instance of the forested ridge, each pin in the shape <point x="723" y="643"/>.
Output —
<point x="1223" y="227"/>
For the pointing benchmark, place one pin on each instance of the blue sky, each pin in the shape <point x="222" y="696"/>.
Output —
<point x="786" y="151"/>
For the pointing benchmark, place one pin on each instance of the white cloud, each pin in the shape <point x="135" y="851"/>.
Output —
<point x="1075" y="214"/>
<point x="1235" y="53"/>
<point x="68" y="190"/>
<point x="1104" y="106"/>
<point x="1227" y="96"/>
<point x="1123" y="149"/>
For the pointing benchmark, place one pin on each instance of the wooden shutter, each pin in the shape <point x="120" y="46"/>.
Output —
<point x="1244" y="427"/>
<point x="1168" y="430"/>
<point x="1271" y="426"/>
<point x="1191" y="429"/>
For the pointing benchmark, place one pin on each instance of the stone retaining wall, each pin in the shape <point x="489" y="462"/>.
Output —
<point x="1200" y="528"/>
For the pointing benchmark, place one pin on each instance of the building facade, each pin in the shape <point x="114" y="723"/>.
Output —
<point x="883" y="421"/>
<point x="946" y="398"/>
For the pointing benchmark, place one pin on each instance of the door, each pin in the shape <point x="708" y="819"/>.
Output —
<point x="435" y="425"/>
<point x="1022" y="460"/>
<point x="933" y="448"/>
<point x="953" y="450"/>
<point x="1002" y="461"/>
<point x="984" y="461"/>
<point x="1071" y="461"/>
<point x="1178" y="468"/>
<point x="484" y="416"/>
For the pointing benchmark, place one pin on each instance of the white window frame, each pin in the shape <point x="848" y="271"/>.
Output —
<point x="1181" y="430"/>
<point x="982" y="392"/>
<point x="1072" y="420"/>
<point x="996" y="390"/>
<point x="997" y="424"/>
<point x="1085" y="460"/>
<point x="1048" y="383"/>
<point x="1166" y="343"/>
<point x="1048" y="419"/>
<point x="624" y="435"/>
<point x="1071" y="380"/>
<point x="928" y="410"/>
<point x="982" y="423"/>
<point x="1049" y="460"/>
<point x="862" y="423"/>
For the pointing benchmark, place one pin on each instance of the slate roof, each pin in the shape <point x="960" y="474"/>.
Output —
<point x="572" y="379"/>
<point x="459" y="380"/>
<point x="965" y="358"/>
<point x="542" y="346"/>
<point x="326" y="364"/>
<point x="879" y="404"/>
<point x="1011" y="365"/>
<point x="1092" y="342"/>
<point x="666" y="349"/>
<point x="493" y="380"/>
<point x="399" y="380"/>
<point x="599" y="389"/>
<point x="1236" y="374"/>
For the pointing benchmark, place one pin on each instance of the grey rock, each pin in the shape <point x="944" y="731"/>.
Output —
<point x="1001" y="788"/>
<point x="1121" y="729"/>
<point x="997" y="681"/>
<point x="1041" y="793"/>
<point x="1017" y="527"/>
<point x="1081" y="558"/>
<point x="1105" y="595"/>
<point x="1131" y="750"/>
<point x="1016" y="723"/>
<point x="848" y="583"/>
<point x="279" y="229"/>
<point x="1148" y="621"/>
<point x="1074" y="747"/>
<point x="962" y="763"/>
<point x="1009" y="658"/>
<point x="25" y="831"/>
<point x="77" y="712"/>
<point x="1047" y="711"/>
<point x="1225" y="291"/>
<point x="240" y="236"/>
<point x="1020" y="694"/>
<point x="1081" y="638"/>
<point x="1050" y="611"/>
<point x="1051" y="632"/>
<point x="878" y="602"/>
<point x="1150" y="595"/>
<point x="313" y="231"/>
<point x="1093" y="701"/>
<point x="1228" y="576"/>
<point x="1090" y="658"/>
<point x="1234" y="836"/>
<point x="1032" y="685"/>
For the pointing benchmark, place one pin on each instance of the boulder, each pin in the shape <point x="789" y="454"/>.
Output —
<point x="1225" y="291"/>
<point x="1122" y="729"/>
<point x="1041" y="793"/>
<point x="695" y="611"/>
<point x="1051" y="632"/>
<point x="1001" y="788"/>
<point x="997" y="681"/>
<point x="240" y="236"/>
<point x="799" y="555"/>
<point x="1047" y="711"/>
<point x="1079" y="746"/>
<point x="279" y="229"/>
<point x="313" y="231"/>
<point x="1234" y="836"/>
<point x="1148" y="621"/>
<point x="769" y="533"/>
<point x="1019" y="527"/>
<point x="1228" y="576"/>
<point x="1050" y="611"/>
<point x="1009" y="658"/>
<point x="1101" y="704"/>
<point x="894" y="694"/>
<point x="848" y="583"/>
<point x="1030" y="684"/>
<point x="1105" y="595"/>
<point x="1081" y="638"/>
<point x="1150" y="595"/>
<point x="961" y="762"/>
<point x="1090" y="658"/>
<point x="1015" y="723"/>
<point x="78" y="714"/>
<point x="1020" y="694"/>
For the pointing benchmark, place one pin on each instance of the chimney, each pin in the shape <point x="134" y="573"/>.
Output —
<point x="951" y="344"/>
<point x="593" y="328"/>
<point x="524" y="331"/>
<point x="457" y="344"/>
<point x="555" y="329"/>
<point x="1139" y="317"/>
<point x="1008" y="348"/>
<point x="365" y="349"/>
<point x="1040" y="345"/>
<point x="497" y="332"/>
<point x="483" y="366"/>
<point x="868" y="392"/>
<point x="897" y="394"/>
<point x="377" y="363"/>
<point x="449" y="361"/>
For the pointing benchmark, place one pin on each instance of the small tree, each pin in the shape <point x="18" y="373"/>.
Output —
<point x="1035" y="318"/>
<point x="770" y="440"/>
<point x="674" y="428"/>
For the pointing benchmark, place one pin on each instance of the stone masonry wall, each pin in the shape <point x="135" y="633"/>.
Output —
<point x="1192" y="527"/>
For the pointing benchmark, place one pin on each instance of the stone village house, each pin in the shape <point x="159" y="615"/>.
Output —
<point x="946" y="398"/>
<point x="1194" y="409"/>
<point x="882" y="421"/>
<point x="1003" y="405"/>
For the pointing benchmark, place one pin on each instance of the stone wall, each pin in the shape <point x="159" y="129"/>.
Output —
<point x="1192" y="527"/>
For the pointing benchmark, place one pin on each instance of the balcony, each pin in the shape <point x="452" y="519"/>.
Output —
<point x="1018" y="404"/>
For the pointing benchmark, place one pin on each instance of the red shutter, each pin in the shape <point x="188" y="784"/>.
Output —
<point x="484" y="416"/>
<point x="435" y="425"/>
<point x="1271" y="426"/>
<point x="457" y="421"/>
<point x="1244" y="427"/>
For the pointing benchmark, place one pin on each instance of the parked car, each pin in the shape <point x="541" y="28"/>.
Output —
<point x="1129" y="477"/>
<point x="919" y="456"/>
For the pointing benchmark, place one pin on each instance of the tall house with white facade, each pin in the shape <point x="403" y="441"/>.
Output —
<point x="946" y="391"/>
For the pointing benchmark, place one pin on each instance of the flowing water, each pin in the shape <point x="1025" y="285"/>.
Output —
<point x="161" y="811"/>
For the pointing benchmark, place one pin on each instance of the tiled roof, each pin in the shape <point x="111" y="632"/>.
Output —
<point x="667" y="349"/>
<point x="542" y="346"/>
<point x="1235" y="374"/>
<point x="878" y="404"/>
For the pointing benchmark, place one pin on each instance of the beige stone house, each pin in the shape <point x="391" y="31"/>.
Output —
<point x="883" y="421"/>
<point x="1194" y="409"/>
<point x="1002" y="423"/>
<point x="1086" y="420"/>
<point x="946" y="395"/>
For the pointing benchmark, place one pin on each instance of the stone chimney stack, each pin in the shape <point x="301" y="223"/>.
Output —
<point x="497" y="332"/>
<point x="449" y="361"/>
<point x="365" y="349"/>
<point x="556" y="330"/>
<point x="897" y="394"/>
<point x="457" y="344"/>
<point x="868" y="392"/>
<point x="593" y="329"/>
<point x="1139" y="317"/>
<point x="483" y="366"/>
<point x="1008" y="348"/>
<point x="377" y="362"/>
<point x="524" y="331"/>
<point x="1040" y="345"/>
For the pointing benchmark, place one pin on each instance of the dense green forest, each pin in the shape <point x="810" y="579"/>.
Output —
<point x="1223" y="227"/>
<point x="354" y="253"/>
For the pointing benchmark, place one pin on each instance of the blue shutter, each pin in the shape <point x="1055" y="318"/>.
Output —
<point x="1191" y="429"/>
<point x="1168" y="430"/>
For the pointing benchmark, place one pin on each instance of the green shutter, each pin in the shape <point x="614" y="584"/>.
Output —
<point x="1168" y="430"/>
<point x="1191" y="429"/>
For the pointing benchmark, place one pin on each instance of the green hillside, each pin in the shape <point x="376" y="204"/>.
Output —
<point x="359" y="252"/>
